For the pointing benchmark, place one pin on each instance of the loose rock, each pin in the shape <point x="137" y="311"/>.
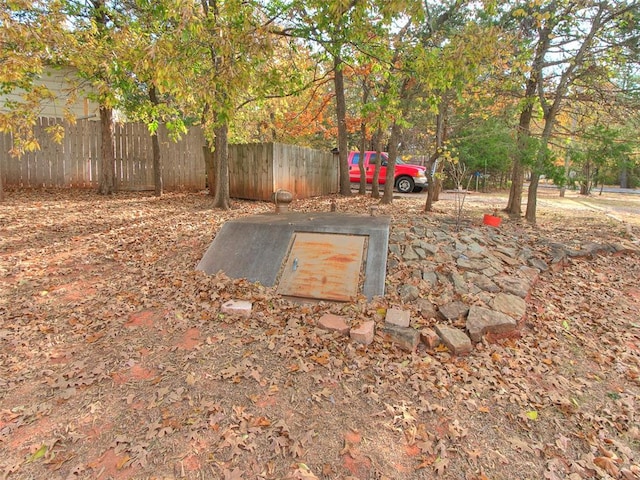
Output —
<point x="430" y="338"/>
<point x="516" y="286"/>
<point x="406" y="338"/>
<point x="427" y="309"/>
<point x="397" y="317"/>
<point x="334" y="323"/>
<point x="408" y="293"/>
<point x="482" y="282"/>
<point x="483" y="320"/>
<point x="430" y="277"/>
<point x="455" y="339"/>
<point x="539" y="264"/>
<point x="454" y="311"/>
<point x="511" y="305"/>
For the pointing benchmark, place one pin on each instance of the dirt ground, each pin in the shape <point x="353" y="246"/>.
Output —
<point x="116" y="362"/>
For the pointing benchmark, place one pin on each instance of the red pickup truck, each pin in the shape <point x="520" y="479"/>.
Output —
<point x="408" y="178"/>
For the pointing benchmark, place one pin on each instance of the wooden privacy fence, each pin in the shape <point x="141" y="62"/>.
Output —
<point x="258" y="170"/>
<point x="75" y="161"/>
<point x="255" y="170"/>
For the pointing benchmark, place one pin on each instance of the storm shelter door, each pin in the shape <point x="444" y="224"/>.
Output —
<point x="323" y="266"/>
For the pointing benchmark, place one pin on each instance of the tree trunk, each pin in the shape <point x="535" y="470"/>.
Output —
<point x="624" y="176"/>
<point x="394" y="139"/>
<point x="341" y="114"/>
<point x="431" y="182"/>
<point x="107" y="160"/>
<point x="375" y="182"/>
<point x="563" y="83"/>
<point x="433" y="187"/>
<point x="532" y="194"/>
<point x="1" y="185"/>
<point x="157" y="167"/>
<point x="585" y="185"/>
<point x="567" y="167"/>
<point x="209" y="167"/>
<point x="514" y="204"/>
<point x="363" y="144"/>
<point x="106" y="183"/>
<point x="532" y="198"/>
<point x="437" y="187"/>
<point x="221" y="163"/>
<point x="155" y="148"/>
<point x="362" y="190"/>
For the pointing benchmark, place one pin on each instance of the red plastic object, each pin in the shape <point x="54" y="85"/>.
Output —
<point x="491" y="220"/>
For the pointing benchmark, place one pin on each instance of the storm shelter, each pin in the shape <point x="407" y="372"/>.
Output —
<point x="318" y="255"/>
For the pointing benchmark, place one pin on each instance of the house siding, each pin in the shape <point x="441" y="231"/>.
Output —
<point x="62" y="82"/>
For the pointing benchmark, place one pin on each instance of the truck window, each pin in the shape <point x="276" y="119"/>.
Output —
<point x="355" y="159"/>
<point x="374" y="159"/>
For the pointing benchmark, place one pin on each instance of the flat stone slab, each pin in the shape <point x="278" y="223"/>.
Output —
<point x="484" y="283"/>
<point x="454" y="339"/>
<point x="511" y="305"/>
<point x="454" y="310"/>
<point x="470" y="264"/>
<point x="429" y="248"/>
<point x="539" y="264"/>
<point x="481" y="321"/>
<point x="508" y="259"/>
<point x="516" y="286"/>
<point x="410" y="254"/>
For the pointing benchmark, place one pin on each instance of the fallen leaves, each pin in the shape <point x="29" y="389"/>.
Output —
<point x="268" y="396"/>
<point x="38" y="454"/>
<point x="301" y="472"/>
<point x="441" y="465"/>
<point x="607" y="464"/>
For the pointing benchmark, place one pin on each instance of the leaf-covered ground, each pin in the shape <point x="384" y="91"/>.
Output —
<point x="115" y="361"/>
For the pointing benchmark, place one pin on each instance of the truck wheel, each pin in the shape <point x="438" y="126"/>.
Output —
<point x="405" y="184"/>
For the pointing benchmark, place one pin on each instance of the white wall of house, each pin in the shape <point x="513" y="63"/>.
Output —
<point x="62" y="82"/>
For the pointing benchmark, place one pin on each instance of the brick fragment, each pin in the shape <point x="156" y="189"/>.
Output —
<point x="334" y="323"/>
<point x="397" y="317"/>
<point x="237" y="307"/>
<point x="363" y="333"/>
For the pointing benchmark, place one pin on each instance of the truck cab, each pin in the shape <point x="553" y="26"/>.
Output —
<point x="407" y="178"/>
